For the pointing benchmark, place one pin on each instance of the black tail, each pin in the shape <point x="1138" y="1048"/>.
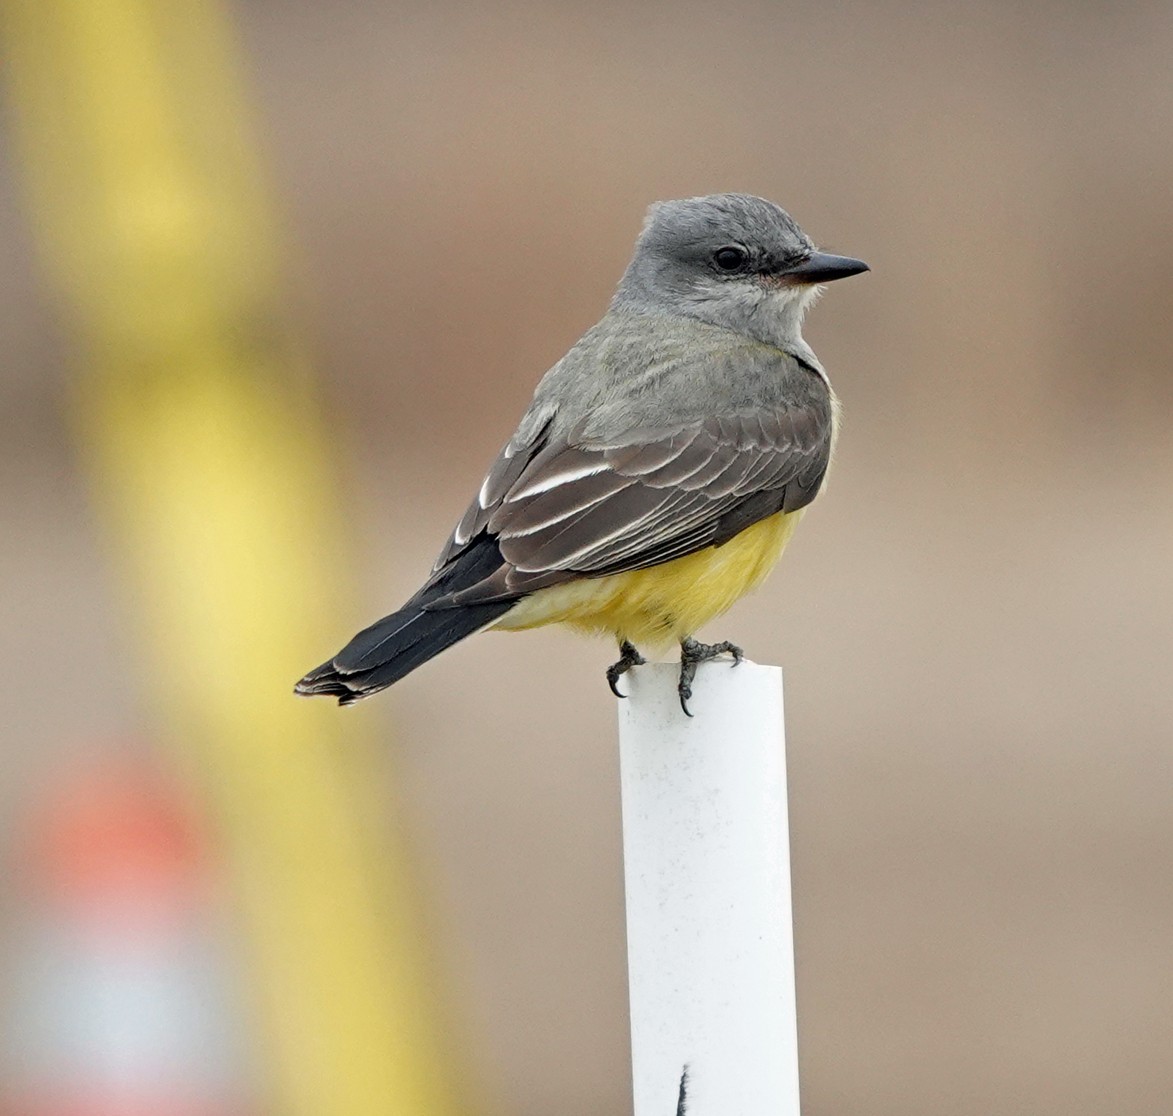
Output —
<point x="422" y="628"/>
<point x="395" y="646"/>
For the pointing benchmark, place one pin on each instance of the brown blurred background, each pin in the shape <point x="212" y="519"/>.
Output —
<point x="976" y="621"/>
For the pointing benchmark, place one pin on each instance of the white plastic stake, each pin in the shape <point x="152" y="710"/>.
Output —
<point x="707" y="864"/>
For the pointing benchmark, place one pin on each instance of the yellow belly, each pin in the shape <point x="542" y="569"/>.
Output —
<point x="662" y="603"/>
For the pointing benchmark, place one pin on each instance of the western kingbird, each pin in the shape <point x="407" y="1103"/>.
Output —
<point x="660" y="469"/>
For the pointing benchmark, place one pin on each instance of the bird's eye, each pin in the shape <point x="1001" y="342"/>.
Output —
<point x="730" y="258"/>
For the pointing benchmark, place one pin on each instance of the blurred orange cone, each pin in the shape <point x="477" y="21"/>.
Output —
<point x="122" y="1002"/>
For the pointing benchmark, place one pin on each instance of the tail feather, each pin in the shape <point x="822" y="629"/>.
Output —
<point x="395" y="646"/>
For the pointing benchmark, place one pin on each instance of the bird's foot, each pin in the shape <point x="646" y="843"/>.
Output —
<point x="628" y="657"/>
<point x="692" y="654"/>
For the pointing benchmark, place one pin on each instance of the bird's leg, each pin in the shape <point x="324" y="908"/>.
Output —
<point x="691" y="654"/>
<point x="628" y="657"/>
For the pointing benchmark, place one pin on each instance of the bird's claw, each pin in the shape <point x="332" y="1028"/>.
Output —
<point x="692" y="653"/>
<point x="628" y="657"/>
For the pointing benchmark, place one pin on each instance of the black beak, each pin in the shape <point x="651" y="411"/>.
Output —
<point x="822" y="267"/>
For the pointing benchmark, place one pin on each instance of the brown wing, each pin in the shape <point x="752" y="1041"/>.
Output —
<point x="571" y="509"/>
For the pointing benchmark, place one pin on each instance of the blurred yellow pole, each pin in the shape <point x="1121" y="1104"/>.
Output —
<point x="210" y="465"/>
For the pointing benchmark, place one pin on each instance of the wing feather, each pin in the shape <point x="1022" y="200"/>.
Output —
<point x="679" y="490"/>
<point x="555" y="505"/>
<point x="576" y="507"/>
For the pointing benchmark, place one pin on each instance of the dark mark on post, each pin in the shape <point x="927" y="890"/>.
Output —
<point x="682" y="1100"/>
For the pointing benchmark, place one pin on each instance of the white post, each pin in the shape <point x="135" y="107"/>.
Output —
<point x="707" y="864"/>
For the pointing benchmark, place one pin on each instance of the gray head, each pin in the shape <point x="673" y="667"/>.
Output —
<point x="732" y="260"/>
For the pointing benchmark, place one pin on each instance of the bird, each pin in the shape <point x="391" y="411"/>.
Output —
<point x="660" y="469"/>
